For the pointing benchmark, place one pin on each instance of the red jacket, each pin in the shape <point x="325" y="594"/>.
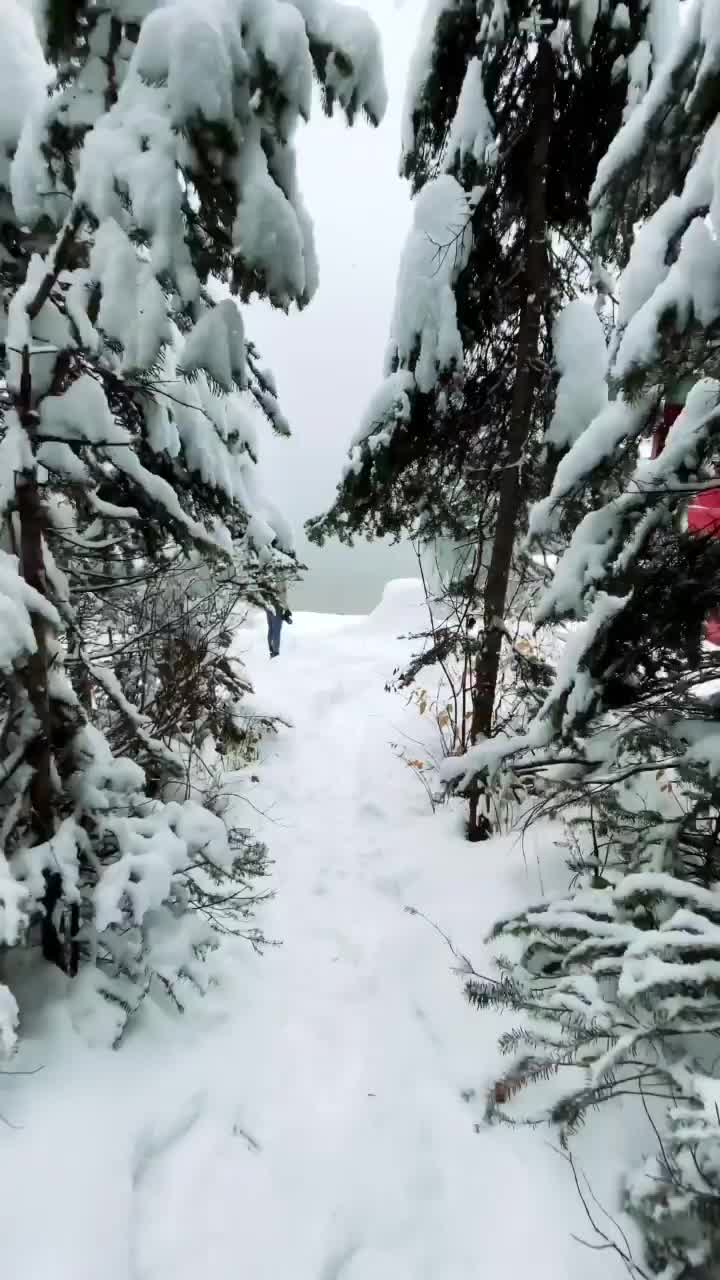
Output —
<point x="703" y="511"/>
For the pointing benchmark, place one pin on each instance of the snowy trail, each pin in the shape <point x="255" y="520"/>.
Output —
<point x="317" y="1119"/>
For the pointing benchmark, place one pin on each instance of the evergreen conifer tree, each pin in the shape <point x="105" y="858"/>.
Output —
<point x="149" y="154"/>
<point x="620" y="976"/>
<point x="510" y="106"/>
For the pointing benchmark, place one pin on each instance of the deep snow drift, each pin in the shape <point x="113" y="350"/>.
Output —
<point x="319" y="1116"/>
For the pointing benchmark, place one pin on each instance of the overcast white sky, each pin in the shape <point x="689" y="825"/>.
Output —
<point x="328" y="359"/>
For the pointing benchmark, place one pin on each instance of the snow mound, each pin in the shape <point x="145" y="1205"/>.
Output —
<point x="402" y="606"/>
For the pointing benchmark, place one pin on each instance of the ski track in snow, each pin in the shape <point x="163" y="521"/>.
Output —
<point x="319" y="1117"/>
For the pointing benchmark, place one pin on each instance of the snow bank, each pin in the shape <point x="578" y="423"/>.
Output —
<point x="401" y="608"/>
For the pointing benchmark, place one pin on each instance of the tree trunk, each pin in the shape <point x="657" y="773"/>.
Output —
<point x="39" y="754"/>
<point x="495" y="596"/>
<point x="32" y="564"/>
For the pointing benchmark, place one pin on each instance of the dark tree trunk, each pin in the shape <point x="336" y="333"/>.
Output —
<point x="495" y="596"/>
<point x="32" y="564"/>
<point x="39" y="755"/>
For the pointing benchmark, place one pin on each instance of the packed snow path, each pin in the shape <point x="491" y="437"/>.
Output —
<point x="319" y="1117"/>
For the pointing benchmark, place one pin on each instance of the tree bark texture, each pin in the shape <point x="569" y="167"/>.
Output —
<point x="488" y="662"/>
<point x="31" y="514"/>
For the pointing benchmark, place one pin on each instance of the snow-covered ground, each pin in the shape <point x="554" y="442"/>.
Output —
<point x="318" y="1117"/>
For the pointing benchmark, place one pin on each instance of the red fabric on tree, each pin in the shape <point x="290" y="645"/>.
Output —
<point x="703" y="512"/>
<point x="712" y="629"/>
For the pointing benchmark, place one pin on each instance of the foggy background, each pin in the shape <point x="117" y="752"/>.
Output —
<point x="328" y="359"/>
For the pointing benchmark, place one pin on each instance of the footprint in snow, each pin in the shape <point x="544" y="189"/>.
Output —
<point x="156" y="1142"/>
<point x="391" y="887"/>
<point x="336" y="1266"/>
<point x="332" y="697"/>
<point x="371" y="809"/>
<point x="370" y="1263"/>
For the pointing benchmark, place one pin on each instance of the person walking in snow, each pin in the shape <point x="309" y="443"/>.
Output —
<point x="275" y="619"/>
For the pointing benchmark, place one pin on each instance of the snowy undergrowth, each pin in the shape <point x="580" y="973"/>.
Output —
<point x="319" y="1114"/>
<point x="442" y="692"/>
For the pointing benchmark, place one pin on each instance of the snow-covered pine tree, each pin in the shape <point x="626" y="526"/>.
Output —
<point x="160" y="161"/>
<point x="510" y="106"/>
<point x="621" y="975"/>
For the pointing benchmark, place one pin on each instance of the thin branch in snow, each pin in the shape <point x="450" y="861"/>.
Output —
<point x="466" y="965"/>
<point x="605" y="1241"/>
